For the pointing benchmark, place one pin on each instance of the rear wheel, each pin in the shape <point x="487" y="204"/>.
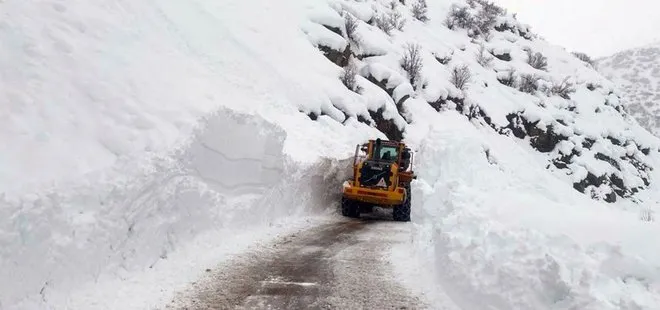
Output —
<point x="349" y="208"/>
<point x="401" y="213"/>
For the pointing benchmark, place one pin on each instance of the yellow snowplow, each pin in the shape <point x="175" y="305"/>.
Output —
<point x="382" y="172"/>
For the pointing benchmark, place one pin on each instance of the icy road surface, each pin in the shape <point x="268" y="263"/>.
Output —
<point x="340" y="264"/>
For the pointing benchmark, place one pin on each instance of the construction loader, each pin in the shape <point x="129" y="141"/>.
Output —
<point x="382" y="172"/>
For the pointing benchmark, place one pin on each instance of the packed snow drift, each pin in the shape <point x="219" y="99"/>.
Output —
<point x="133" y="129"/>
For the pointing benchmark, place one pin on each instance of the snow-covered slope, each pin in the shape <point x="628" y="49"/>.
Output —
<point x="131" y="129"/>
<point x="637" y="73"/>
<point x="517" y="85"/>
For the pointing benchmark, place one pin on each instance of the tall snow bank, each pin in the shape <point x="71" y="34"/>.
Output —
<point x="498" y="232"/>
<point x="233" y="174"/>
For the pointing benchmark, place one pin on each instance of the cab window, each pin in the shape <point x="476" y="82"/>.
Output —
<point x="387" y="153"/>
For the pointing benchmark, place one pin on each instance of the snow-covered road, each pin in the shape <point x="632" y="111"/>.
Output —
<point x="338" y="264"/>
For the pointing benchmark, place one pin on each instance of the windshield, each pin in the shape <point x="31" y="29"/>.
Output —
<point x="387" y="153"/>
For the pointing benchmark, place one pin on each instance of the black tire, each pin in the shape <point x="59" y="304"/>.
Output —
<point x="366" y="208"/>
<point x="349" y="208"/>
<point x="401" y="213"/>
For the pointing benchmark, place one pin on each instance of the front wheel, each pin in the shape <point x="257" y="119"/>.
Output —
<point x="349" y="208"/>
<point x="401" y="213"/>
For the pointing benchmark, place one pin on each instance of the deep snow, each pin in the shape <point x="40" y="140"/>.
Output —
<point x="136" y="131"/>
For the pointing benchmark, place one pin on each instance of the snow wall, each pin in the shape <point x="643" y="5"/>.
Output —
<point x="232" y="174"/>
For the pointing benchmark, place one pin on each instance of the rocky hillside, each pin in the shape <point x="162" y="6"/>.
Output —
<point x="637" y="72"/>
<point x="475" y="58"/>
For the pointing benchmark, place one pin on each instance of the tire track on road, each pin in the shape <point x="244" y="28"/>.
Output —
<point x="336" y="265"/>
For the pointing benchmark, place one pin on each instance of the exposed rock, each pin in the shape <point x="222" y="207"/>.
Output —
<point x="339" y="58"/>
<point x="608" y="159"/>
<point x="386" y="126"/>
<point x="503" y="56"/>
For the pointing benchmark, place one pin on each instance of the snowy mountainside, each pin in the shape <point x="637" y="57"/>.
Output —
<point x="515" y="83"/>
<point x="637" y="73"/>
<point x="131" y="129"/>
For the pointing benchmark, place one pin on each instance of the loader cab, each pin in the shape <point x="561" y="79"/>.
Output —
<point x="384" y="152"/>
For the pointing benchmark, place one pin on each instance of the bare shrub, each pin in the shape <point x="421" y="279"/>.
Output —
<point x="419" y="10"/>
<point x="383" y="23"/>
<point x="461" y="76"/>
<point x="350" y="23"/>
<point x="483" y="57"/>
<point x="412" y="62"/>
<point x="529" y="83"/>
<point x="647" y="215"/>
<point x="397" y="20"/>
<point x="563" y="89"/>
<point x="348" y="78"/>
<point x="390" y="21"/>
<point x="537" y="60"/>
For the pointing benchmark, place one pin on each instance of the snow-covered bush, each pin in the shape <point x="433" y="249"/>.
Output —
<point x="459" y="16"/>
<point x="507" y="78"/>
<point x="479" y="18"/>
<point x="412" y="62"/>
<point x="528" y="83"/>
<point x="487" y="15"/>
<point x="420" y="10"/>
<point x="537" y="60"/>
<point x="390" y="20"/>
<point x="461" y="76"/>
<point x="444" y="58"/>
